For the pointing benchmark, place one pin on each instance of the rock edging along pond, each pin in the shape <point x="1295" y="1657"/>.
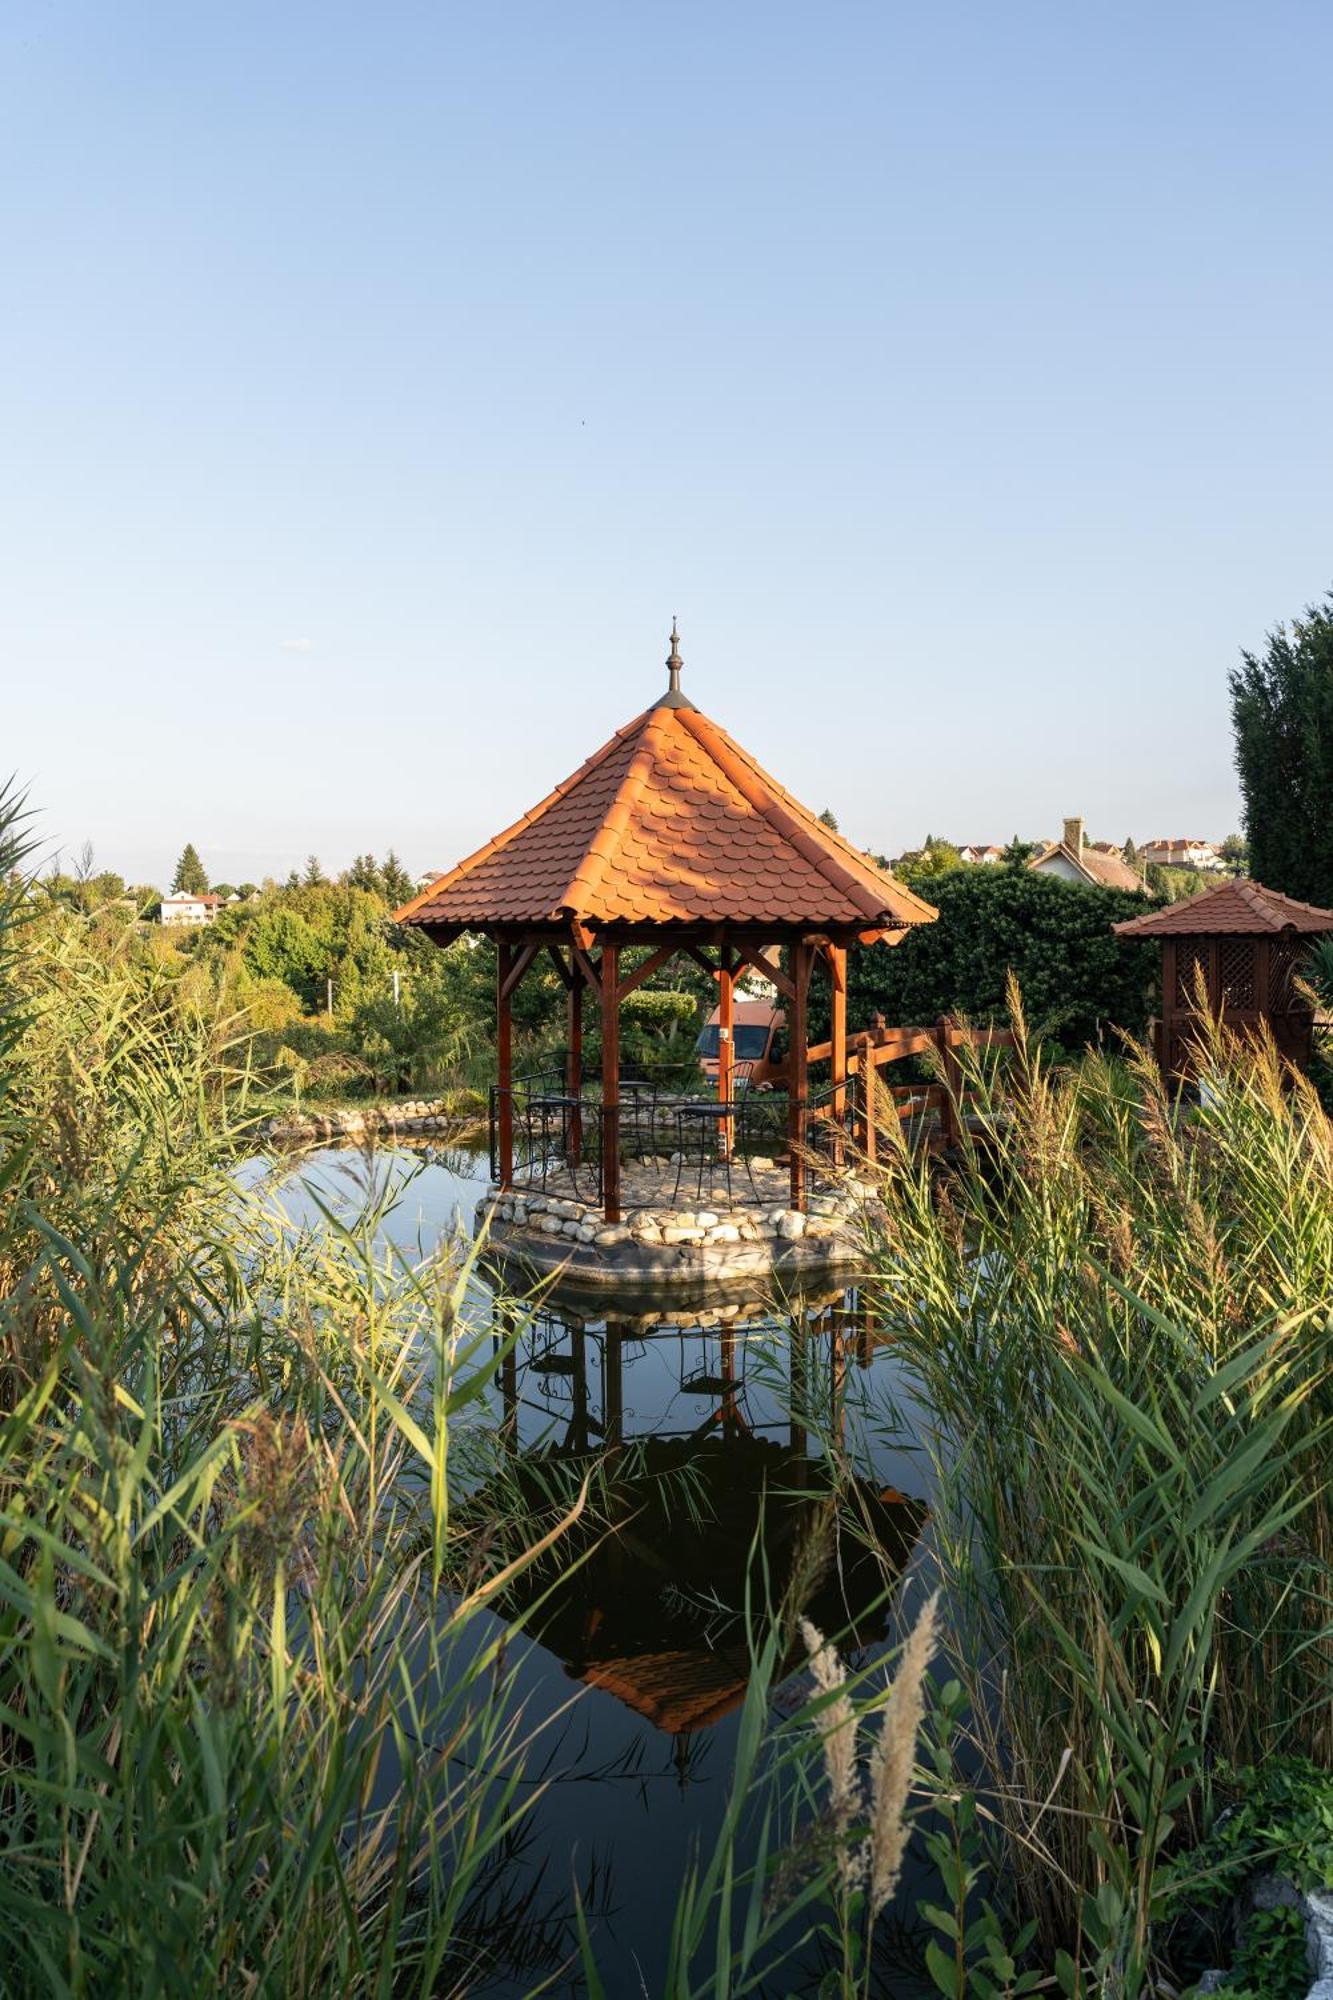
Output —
<point x="665" y="1245"/>
<point x="417" y="1115"/>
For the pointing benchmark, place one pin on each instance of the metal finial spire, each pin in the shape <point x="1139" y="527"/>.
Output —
<point x="674" y="661"/>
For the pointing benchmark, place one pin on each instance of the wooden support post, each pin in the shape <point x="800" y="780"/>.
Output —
<point x="504" y="1062"/>
<point x="576" y="1438"/>
<point x="869" y="1106"/>
<point x="729" y="1413"/>
<point x="726" y="1057"/>
<point x="798" y="1040"/>
<point x="837" y="964"/>
<point x="798" y="1392"/>
<point x="574" y="1063"/>
<point x="613" y="1415"/>
<point x="610" y="984"/>
<point x="838" y="1381"/>
<point x="951" y="1077"/>
<point x="505" y="1322"/>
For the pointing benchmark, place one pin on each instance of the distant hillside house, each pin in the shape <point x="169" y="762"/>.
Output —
<point x="1182" y="854"/>
<point x="1075" y="859"/>
<point x="981" y="857"/>
<point x="189" y="909"/>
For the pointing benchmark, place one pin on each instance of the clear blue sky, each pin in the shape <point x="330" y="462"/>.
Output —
<point x="377" y="380"/>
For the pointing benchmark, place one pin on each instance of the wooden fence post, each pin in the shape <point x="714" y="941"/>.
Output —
<point x="952" y="1076"/>
<point x="870" y="1105"/>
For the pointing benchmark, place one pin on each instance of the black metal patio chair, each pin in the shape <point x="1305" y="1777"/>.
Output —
<point x="702" y="1127"/>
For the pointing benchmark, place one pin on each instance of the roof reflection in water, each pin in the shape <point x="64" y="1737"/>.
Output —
<point x="727" y="1488"/>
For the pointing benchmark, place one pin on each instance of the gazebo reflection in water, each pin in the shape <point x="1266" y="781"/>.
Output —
<point x="719" y="1438"/>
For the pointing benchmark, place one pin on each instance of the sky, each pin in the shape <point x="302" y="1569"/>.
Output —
<point x="376" y="381"/>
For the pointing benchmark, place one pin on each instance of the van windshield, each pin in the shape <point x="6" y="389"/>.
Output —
<point x="748" y="1041"/>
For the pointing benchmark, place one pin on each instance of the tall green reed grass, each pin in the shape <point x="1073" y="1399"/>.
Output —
<point x="236" y="1742"/>
<point x="256" y="1732"/>
<point x="1117" y="1314"/>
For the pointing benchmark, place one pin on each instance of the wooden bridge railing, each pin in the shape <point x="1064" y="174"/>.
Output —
<point x="874" y="1048"/>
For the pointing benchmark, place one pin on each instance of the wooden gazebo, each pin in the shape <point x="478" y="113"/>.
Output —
<point x="670" y="837"/>
<point x="1247" y="943"/>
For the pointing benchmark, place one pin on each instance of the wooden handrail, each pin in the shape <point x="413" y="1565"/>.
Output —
<point x="886" y="1045"/>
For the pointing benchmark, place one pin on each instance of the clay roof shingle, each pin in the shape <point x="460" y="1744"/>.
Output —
<point x="670" y="822"/>
<point x="1237" y="907"/>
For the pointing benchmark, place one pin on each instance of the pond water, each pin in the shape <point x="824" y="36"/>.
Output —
<point x="632" y="1671"/>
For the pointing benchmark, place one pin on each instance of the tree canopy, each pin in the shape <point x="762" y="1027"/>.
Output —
<point x="1282" y="716"/>
<point x="191" y="877"/>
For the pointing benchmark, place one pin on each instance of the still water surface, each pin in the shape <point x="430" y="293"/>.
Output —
<point x="633" y="1672"/>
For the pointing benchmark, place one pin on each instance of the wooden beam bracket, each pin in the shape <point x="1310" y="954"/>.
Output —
<point x="653" y="963"/>
<point x="516" y="971"/>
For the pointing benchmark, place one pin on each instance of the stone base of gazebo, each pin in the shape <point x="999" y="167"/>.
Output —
<point x="692" y="1241"/>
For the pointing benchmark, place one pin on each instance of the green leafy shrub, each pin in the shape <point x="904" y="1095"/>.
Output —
<point x="1276" y="1816"/>
<point x="1077" y="978"/>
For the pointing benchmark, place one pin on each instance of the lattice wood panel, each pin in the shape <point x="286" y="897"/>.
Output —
<point x="1191" y="959"/>
<point x="1287" y="957"/>
<point x="1236" y="973"/>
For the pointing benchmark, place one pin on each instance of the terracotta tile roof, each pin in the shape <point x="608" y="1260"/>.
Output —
<point x="671" y="822"/>
<point x="677" y="1691"/>
<point x="1239" y="907"/>
<point x="1104" y="871"/>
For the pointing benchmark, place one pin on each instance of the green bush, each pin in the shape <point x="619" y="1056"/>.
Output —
<point x="1076" y="977"/>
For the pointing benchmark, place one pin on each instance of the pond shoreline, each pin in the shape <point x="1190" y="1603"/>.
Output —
<point x="356" y="1123"/>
